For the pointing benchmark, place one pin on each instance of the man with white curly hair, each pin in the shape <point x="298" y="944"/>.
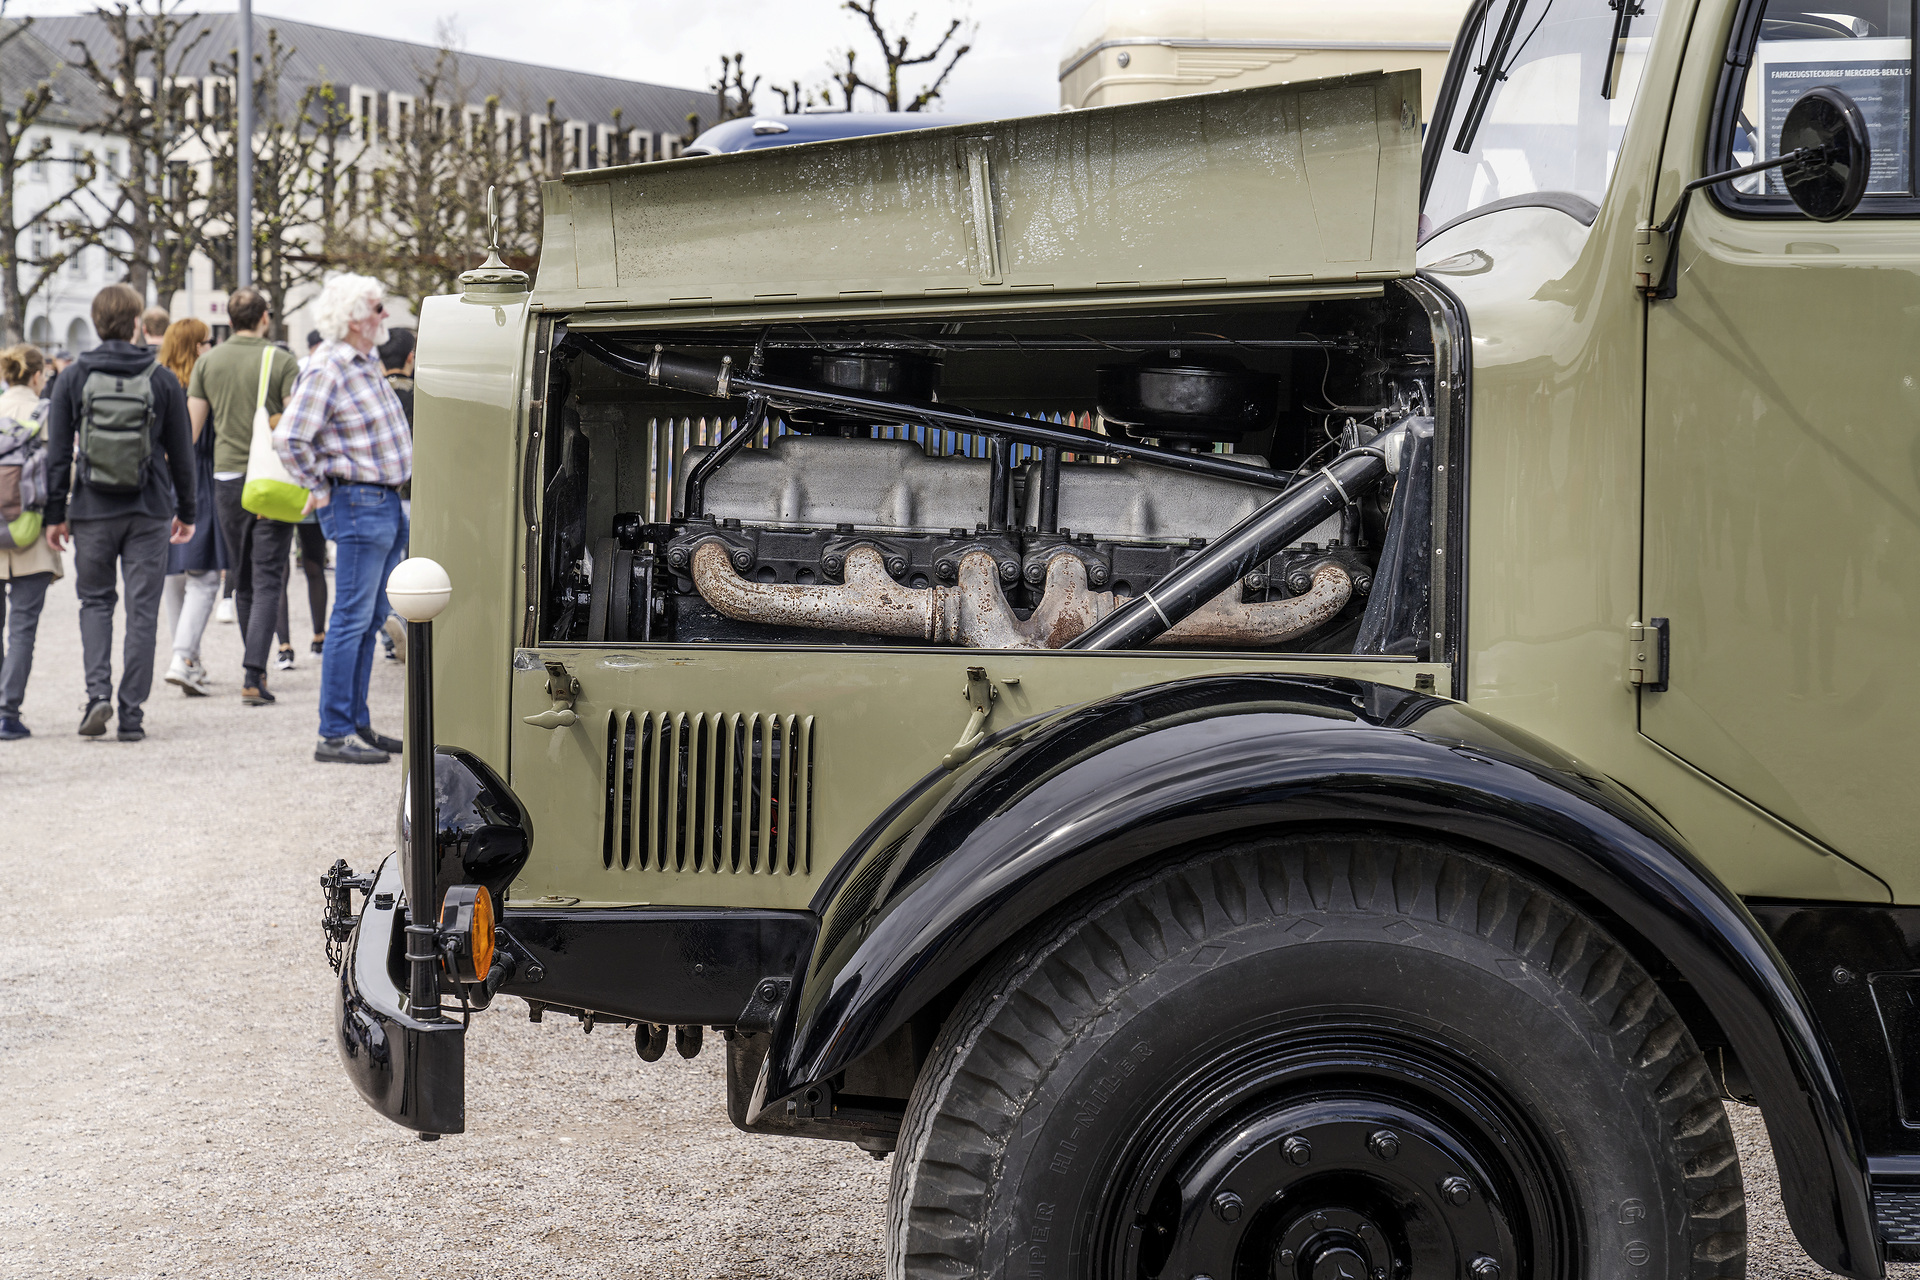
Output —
<point x="344" y="438"/>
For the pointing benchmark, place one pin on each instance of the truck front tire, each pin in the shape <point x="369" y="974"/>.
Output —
<point x="1315" y="1057"/>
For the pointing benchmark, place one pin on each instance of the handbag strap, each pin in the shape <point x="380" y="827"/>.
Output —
<point x="266" y="371"/>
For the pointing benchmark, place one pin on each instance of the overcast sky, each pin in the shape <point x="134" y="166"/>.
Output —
<point x="1012" y="69"/>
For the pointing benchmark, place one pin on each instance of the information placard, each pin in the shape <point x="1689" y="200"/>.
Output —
<point x="1877" y="73"/>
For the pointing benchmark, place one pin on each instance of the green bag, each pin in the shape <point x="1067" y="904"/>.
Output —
<point x="116" y="429"/>
<point x="271" y="490"/>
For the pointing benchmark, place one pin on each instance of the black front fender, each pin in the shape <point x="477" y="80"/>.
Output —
<point x="960" y="867"/>
<point x="411" y="1072"/>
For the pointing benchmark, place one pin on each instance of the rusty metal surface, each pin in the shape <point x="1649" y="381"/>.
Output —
<point x="1227" y="621"/>
<point x="974" y="613"/>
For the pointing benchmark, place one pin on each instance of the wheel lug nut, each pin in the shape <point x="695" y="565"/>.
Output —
<point x="1227" y="1206"/>
<point x="1286" y="1257"/>
<point x="1297" y="1150"/>
<point x="1379" y="1273"/>
<point x="1384" y="1143"/>
<point x="1318" y="1219"/>
<point x="1456" y="1190"/>
<point x="1485" y="1268"/>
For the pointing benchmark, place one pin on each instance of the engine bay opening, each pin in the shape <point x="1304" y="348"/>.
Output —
<point x="999" y="482"/>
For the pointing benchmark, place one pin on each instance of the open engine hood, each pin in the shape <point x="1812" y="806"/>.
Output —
<point x="1309" y="184"/>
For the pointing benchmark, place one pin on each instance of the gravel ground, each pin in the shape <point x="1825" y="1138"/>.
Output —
<point x="173" y="1103"/>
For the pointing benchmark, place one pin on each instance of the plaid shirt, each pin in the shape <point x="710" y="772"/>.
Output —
<point x="343" y="423"/>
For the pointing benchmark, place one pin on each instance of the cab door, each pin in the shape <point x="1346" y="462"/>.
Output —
<point x="1782" y="516"/>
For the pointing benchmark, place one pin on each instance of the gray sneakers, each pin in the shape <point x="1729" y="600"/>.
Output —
<point x="190" y="677"/>
<point x="348" y="751"/>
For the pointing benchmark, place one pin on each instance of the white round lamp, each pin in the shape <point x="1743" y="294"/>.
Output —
<point x="418" y="589"/>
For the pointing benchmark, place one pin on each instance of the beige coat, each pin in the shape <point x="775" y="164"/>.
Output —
<point x="17" y="403"/>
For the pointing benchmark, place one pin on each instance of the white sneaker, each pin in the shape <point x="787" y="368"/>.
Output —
<point x="224" y="610"/>
<point x="396" y="629"/>
<point x="191" y="677"/>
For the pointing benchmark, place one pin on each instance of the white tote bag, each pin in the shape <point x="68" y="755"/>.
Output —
<point x="270" y="491"/>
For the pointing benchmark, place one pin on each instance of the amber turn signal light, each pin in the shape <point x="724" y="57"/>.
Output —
<point x="466" y="932"/>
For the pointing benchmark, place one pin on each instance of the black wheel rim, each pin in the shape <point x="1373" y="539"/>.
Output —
<point x="1363" y="1151"/>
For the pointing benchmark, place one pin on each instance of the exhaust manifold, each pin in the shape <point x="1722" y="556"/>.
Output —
<point x="974" y="613"/>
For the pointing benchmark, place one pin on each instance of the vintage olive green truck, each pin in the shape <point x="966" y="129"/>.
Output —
<point x="1248" y="686"/>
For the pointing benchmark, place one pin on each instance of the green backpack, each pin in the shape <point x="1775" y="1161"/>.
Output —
<point x="116" y="429"/>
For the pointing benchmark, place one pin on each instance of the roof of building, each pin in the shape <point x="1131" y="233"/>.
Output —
<point x="26" y="60"/>
<point x="376" y="62"/>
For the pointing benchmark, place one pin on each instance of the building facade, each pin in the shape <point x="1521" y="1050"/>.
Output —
<point x="535" y="112"/>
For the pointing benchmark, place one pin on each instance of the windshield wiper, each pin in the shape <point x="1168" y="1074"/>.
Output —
<point x="1491" y="72"/>
<point x="1624" y="12"/>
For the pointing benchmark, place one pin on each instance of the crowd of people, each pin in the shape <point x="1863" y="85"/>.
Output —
<point x="197" y="473"/>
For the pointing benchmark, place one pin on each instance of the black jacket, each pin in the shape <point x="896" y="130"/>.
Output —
<point x="168" y="490"/>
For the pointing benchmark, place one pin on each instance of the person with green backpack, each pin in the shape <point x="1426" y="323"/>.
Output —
<point x="28" y="566"/>
<point x="241" y="386"/>
<point x="120" y="484"/>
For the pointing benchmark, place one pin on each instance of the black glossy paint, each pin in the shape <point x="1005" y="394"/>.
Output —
<point x="1859" y="964"/>
<point x="483" y="831"/>
<point x="411" y="1072"/>
<point x="1063" y="804"/>
<point x="685" y="966"/>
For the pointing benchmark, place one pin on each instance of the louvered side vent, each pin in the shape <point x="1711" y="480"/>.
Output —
<point x="714" y="791"/>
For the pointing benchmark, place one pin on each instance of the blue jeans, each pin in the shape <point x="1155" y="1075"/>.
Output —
<point x="369" y="536"/>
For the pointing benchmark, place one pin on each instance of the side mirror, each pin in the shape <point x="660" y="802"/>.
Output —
<point x="1824" y="161"/>
<point x="1829" y="187"/>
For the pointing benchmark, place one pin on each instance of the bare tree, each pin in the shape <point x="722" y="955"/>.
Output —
<point x="422" y="237"/>
<point x="791" y="99"/>
<point x="26" y="96"/>
<point x="151" y="221"/>
<point x="304" y="162"/>
<point x="732" y="95"/>
<point x="896" y="52"/>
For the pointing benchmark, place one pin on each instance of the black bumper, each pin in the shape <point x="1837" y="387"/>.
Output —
<point x="411" y="1072"/>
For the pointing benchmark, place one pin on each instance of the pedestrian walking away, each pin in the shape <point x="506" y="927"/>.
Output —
<point x="310" y="557"/>
<point x="154" y="323"/>
<point x="120" y="485"/>
<point x="227" y="391"/>
<point x="193" y="567"/>
<point x="345" y="439"/>
<point x="26" y="571"/>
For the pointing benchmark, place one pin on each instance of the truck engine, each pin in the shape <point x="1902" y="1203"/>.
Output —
<point x="992" y="484"/>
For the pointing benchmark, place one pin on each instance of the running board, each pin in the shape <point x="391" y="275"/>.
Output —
<point x="1897" y="1208"/>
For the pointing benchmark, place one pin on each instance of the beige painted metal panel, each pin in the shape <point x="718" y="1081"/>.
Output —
<point x="1300" y="184"/>
<point x="1142" y="50"/>
<point x="468" y="388"/>
<point x="882" y="719"/>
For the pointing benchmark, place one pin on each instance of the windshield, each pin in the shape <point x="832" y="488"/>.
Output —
<point x="1543" y="104"/>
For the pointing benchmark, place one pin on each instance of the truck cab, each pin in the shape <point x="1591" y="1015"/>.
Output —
<point x="1248" y="684"/>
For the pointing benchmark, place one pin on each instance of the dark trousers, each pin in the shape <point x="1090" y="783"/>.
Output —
<point x="258" y="549"/>
<point x="311" y="555"/>
<point x="137" y="546"/>
<point x="21" y="600"/>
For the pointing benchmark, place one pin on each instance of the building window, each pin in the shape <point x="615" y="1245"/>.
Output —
<point x="38" y="169"/>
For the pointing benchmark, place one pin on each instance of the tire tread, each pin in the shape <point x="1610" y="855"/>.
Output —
<point x="1027" y="1009"/>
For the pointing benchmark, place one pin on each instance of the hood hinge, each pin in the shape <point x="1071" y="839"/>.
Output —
<point x="1647" y="655"/>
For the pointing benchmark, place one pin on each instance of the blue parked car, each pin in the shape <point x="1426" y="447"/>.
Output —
<point x="750" y="133"/>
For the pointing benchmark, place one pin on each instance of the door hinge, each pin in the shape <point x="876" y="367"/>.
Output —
<point x="1648" y="652"/>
